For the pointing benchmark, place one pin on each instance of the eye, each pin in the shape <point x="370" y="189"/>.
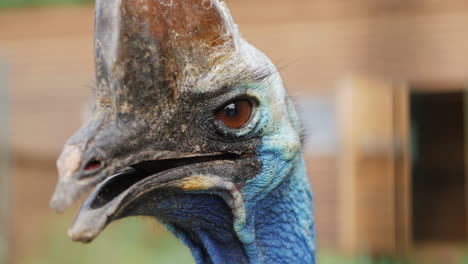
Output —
<point x="235" y="114"/>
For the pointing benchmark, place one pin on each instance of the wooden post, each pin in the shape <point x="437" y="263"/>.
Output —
<point x="373" y="166"/>
<point x="403" y="179"/>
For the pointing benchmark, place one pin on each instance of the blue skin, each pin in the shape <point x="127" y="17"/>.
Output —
<point x="281" y="224"/>
<point x="279" y="227"/>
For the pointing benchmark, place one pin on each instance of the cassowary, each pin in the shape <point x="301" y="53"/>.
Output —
<point x="193" y="127"/>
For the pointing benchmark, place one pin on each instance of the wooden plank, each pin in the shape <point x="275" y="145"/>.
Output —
<point x="346" y="184"/>
<point x="367" y="166"/>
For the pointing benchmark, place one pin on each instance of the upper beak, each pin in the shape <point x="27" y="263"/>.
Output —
<point x="68" y="188"/>
<point x="80" y="162"/>
<point x="75" y="181"/>
<point x="94" y="154"/>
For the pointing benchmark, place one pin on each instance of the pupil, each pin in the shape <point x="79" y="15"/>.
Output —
<point x="231" y="110"/>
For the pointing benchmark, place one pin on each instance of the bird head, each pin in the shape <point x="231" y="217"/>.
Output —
<point x="183" y="105"/>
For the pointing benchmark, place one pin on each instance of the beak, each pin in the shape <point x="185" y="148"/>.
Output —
<point x="138" y="192"/>
<point x="96" y="152"/>
<point x="100" y="149"/>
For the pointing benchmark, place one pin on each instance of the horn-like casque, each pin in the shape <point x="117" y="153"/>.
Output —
<point x="147" y="48"/>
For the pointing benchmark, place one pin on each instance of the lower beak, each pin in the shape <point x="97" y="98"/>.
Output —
<point x="111" y="199"/>
<point x="136" y="192"/>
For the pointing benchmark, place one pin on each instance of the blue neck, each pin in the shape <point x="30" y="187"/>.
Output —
<point x="281" y="223"/>
<point x="204" y="223"/>
<point x="284" y="222"/>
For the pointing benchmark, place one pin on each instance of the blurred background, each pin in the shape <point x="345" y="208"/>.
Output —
<point x="381" y="88"/>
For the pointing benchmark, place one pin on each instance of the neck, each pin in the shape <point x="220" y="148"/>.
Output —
<point x="282" y="225"/>
<point x="205" y="224"/>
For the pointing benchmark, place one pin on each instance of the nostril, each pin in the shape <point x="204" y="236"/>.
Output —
<point x="93" y="164"/>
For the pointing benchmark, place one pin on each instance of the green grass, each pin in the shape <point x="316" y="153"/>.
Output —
<point x="2" y="250"/>
<point x="133" y="240"/>
<point x="26" y="3"/>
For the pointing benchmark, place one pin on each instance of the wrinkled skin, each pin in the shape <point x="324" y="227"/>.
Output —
<point x="154" y="147"/>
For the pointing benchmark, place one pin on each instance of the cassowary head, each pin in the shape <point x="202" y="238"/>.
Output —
<point x="192" y="126"/>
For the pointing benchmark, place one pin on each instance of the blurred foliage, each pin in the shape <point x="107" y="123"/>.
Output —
<point x="22" y="3"/>
<point x="143" y="241"/>
<point x="132" y="240"/>
<point x="2" y="251"/>
<point x="465" y="258"/>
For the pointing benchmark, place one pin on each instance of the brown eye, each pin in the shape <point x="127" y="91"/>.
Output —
<point x="235" y="114"/>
